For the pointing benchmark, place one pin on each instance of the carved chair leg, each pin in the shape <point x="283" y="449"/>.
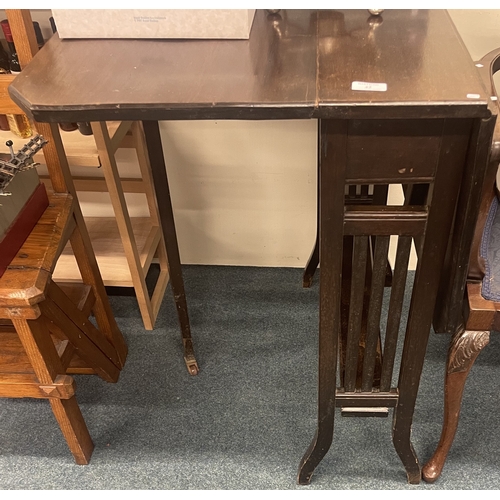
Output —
<point x="464" y="348"/>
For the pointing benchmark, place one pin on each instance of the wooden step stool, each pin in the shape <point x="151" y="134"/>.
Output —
<point x="45" y="331"/>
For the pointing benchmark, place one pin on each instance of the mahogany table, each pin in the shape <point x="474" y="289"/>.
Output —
<point x="419" y="117"/>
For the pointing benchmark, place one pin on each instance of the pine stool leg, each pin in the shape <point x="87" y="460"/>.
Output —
<point x="74" y="429"/>
<point x="40" y="349"/>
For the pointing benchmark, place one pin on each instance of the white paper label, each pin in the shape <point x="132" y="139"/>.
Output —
<point x="473" y="96"/>
<point x="369" y="86"/>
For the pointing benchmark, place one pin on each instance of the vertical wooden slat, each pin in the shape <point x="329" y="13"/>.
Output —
<point x="347" y="251"/>
<point x="23" y="34"/>
<point x="356" y="310"/>
<point x="380" y="192"/>
<point x="364" y="190"/>
<point x="417" y="194"/>
<point x="374" y="311"/>
<point x="395" y="308"/>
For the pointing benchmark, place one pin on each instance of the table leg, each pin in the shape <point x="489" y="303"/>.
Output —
<point x="425" y="287"/>
<point x="312" y="263"/>
<point x="159" y="172"/>
<point x="332" y="163"/>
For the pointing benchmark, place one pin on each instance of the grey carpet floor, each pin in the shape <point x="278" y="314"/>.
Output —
<point x="246" y="420"/>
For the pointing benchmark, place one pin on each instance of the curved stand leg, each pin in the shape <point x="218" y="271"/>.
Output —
<point x="404" y="448"/>
<point x="316" y="451"/>
<point x="464" y="349"/>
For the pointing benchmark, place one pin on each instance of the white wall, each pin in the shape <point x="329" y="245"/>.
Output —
<point x="244" y="193"/>
<point x="479" y="29"/>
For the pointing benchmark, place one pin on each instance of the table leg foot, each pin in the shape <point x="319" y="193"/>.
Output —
<point x="307" y="465"/>
<point x="314" y="454"/>
<point x="404" y="448"/>
<point x="189" y="358"/>
<point x="432" y="469"/>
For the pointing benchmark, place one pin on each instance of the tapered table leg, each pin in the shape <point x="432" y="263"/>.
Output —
<point x="158" y="169"/>
<point x="312" y="263"/>
<point x="332" y="163"/>
<point x="464" y="348"/>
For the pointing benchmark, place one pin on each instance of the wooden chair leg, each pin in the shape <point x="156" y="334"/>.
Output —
<point x="464" y="348"/>
<point x="74" y="429"/>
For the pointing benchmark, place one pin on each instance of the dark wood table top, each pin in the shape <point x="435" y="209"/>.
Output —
<point x="297" y="64"/>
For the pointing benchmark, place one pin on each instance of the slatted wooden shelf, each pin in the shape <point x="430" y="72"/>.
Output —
<point x="108" y="248"/>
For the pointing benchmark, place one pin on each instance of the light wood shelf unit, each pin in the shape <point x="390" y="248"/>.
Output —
<point x="125" y="253"/>
<point x="124" y="246"/>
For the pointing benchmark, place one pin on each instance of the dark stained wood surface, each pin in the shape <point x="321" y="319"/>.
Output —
<point x="153" y="79"/>
<point x="297" y="64"/>
<point x="417" y="53"/>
